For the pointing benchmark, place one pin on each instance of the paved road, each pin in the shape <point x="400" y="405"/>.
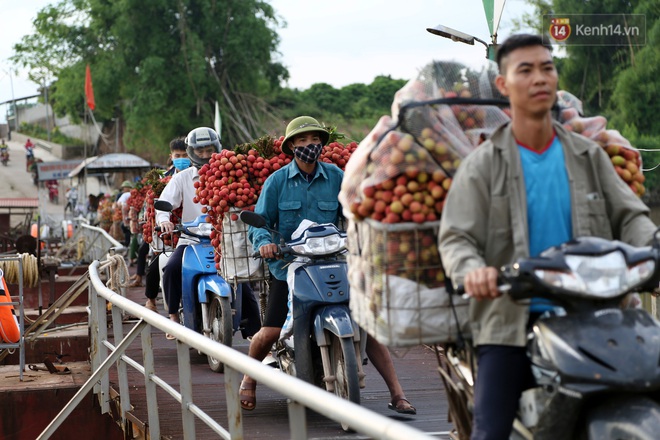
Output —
<point x="16" y="182"/>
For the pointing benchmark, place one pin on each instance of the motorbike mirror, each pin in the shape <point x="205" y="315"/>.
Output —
<point x="163" y="205"/>
<point x="252" y="219"/>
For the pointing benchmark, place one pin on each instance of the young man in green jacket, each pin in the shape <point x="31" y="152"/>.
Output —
<point x="533" y="185"/>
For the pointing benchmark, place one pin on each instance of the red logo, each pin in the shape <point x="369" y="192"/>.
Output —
<point x="560" y="29"/>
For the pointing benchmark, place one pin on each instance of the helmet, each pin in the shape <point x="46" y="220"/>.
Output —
<point x="303" y="124"/>
<point x="126" y="184"/>
<point x="198" y="138"/>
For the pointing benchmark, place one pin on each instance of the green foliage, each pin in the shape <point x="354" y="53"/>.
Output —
<point x="37" y="131"/>
<point x="634" y="99"/>
<point x="354" y="108"/>
<point x="650" y="159"/>
<point x="159" y="65"/>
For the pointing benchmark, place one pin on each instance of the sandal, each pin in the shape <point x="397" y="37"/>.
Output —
<point x="401" y="405"/>
<point x="136" y="281"/>
<point x="248" y="402"/>
<point x="169" y="337"/>
<point x="149" y="305"/>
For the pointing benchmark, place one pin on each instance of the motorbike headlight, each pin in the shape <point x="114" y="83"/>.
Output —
<point x="321" y="245"/>
<point x="201" y="230"/>
<point x="605" y="276"/>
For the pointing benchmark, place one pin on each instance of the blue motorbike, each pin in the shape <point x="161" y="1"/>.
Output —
<point x="327" y="345"/>
<point x="208" y="304"/>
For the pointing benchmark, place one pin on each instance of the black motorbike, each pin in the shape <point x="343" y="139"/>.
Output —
<point x="596" y="363"/>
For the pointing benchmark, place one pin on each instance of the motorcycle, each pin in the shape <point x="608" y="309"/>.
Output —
<point x="327" y="345"/>
<point x="208" y="304"/>
<point x="4" y="156"/>
<point x="595" y="362"/>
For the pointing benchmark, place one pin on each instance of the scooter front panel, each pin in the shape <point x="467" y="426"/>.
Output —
<point x="320" y="283"/>
<point x="198" y="260"/>
<point x="617" y="347"/>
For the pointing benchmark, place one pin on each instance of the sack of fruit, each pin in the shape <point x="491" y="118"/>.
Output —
<point x="393" y="193"/>
<point x="626" y="159"/>
<point x="397" y="284"/>
<point x="153" y="185"/>
<point x="237" y="264"/>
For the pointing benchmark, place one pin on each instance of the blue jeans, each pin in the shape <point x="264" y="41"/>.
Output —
<point x="503" y="373"/>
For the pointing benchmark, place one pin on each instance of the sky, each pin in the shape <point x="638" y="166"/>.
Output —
<point x="338" y="42"/>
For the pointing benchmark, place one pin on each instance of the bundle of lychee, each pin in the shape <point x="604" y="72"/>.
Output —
<point x="138" y="195"/>
<point x="626" y="159"/>
<point x="156" y="182"/>
<point x="234" y="178"/>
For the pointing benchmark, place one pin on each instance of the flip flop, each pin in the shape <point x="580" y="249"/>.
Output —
<point x="401" y="405"/>
<point x="250" y="400"/>
<point x="151" y="307"/>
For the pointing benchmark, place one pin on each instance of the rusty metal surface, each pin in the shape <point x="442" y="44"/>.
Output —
<point x="19" y="202"/>
<point x="416" y="368"/>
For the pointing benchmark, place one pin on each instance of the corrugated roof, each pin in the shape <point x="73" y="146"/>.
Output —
<point x="19" y="203"/>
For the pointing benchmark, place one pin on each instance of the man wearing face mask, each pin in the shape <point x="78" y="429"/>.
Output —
<point x="200" y="143"/>
<point x="304" y="189"/>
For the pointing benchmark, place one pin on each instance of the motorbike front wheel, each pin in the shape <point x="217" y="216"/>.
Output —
<point x="221" y="328"/>
<point x="343" y="362"/>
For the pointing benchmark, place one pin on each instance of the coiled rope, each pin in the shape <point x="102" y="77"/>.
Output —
<point x="30" y="270"/>
<point x="118" y="272"/>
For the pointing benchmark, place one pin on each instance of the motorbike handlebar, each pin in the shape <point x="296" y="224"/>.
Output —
<point x="515" y="288"/>
<point x="282" y="250"/>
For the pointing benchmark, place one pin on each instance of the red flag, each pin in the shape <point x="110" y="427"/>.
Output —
<point x="89" y="90"/>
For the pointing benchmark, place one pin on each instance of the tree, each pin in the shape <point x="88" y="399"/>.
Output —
<point x="160" y="65"/>
<point x="635" y="94"/>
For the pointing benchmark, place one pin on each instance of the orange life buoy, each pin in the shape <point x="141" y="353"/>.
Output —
<point x="10" y="332"/>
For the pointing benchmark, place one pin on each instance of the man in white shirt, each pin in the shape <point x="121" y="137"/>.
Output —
<point x="201" y="144"/>
<point x="180" y="191"/>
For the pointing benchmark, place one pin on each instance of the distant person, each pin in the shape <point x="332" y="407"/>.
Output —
<point x="29" y="149"/>
<point x="71" y="199"/>
<point x="122" y="201"/>
<point x="180" y="161"/>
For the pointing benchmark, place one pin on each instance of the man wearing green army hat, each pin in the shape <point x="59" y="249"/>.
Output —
<point x="304" y="189"/>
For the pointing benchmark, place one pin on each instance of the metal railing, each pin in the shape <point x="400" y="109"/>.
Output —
<point x="89" y="243"/>
<point x="105" y="355"/>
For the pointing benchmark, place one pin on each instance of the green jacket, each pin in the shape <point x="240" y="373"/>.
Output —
<point x="484" y="220"/>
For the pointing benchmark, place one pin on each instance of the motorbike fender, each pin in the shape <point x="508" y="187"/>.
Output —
<point x="214" y="284"/>
<point x="624" y="416"/>
<point x="337" y="320"/>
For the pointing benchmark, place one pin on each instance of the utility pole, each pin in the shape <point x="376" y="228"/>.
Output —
<point x="13" y="99"/>
<point x="47" y="112"/>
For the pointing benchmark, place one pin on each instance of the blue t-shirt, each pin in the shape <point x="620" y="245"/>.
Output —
<point x="548" y="201"/>
<point x="287" y="198"/>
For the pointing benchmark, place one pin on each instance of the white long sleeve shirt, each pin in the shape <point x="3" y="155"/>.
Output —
<point x="180" y="191"/>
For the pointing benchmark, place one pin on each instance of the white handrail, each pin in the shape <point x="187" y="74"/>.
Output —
<point x="300" y="393"/>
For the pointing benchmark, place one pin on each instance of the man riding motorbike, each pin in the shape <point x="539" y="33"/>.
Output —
<point x="531" y="186"/>
<point x="201" y="143"/>
<point x="304" y="189"/>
